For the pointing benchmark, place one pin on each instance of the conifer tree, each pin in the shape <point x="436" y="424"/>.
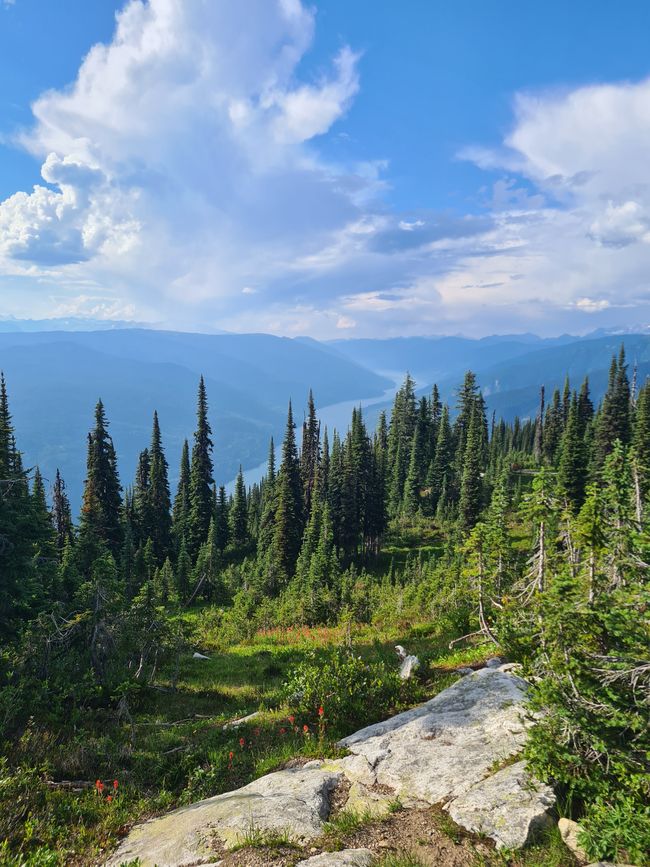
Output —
<point x="44" y="540"/>
<point x="614" y="417"/>
<point x="440" y="473"/>
<point x="467" y="397"/>
<point x="471" y="486"/>
<point x="310" y="454"/>
<point x="538" y="447"/>
<point x="200" y="488"/>
<point x="181" y="510"/>
<point x="553" y="427"/>
<point x="221" y="520"/>
<point x="572" y="468"/>
<point x="641" y="449"/>
<point x="287" y="536"/>
<point x="101" y="506"/>
<point x="158" y="496"/>
<point x="183" y="571"/>
<point x="61" y="514"/>
<point x="402" y="426"/>
<point x="239" y="514"/>
<point x="142" y="521"/>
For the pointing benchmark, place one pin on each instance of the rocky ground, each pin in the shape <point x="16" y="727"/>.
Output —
<point x="456" y="754"/>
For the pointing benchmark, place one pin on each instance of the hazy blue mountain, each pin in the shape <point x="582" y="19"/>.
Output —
<point x="513" y="389"/>
<point x="510" y="369"/>
<point x="55" y="378"/>
<point x="429" y="359"/>
<point x="68" y="323"/>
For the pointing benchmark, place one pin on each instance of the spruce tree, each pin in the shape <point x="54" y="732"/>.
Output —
<point x="287" y="535"/>
<point x="101" y="505"/>
<point x="402" y="426"/>
<point x="61" y="514"/>
<point x="553" y="427"/>
<point x="471" y="486"/>
<point x="310" y="454"/>
<point x="614" y="422"/>
<point x="200" y="477"/>
<point x="221" y="520"/>
<point x="239" y="514"/>
<point x="181" y="510"/>
<point x="572" y="468"/>
<point x="158" y="496"/>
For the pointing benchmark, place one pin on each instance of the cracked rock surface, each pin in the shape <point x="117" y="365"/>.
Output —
<point x="458" y="750"/>
<point x="449" y="750"/>
<point x="293" y="802"/>
<point x="344" y="858"/>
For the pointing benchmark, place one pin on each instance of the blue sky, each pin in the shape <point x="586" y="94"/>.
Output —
<point x="339" y="169"/>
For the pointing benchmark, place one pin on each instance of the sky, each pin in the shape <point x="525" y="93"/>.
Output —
<point x="334" y="169"/>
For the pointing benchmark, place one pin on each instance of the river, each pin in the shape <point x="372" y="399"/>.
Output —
<point x="335" y="416"/>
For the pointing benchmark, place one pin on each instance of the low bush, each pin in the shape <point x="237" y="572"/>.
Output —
<point x="350" y="691"/>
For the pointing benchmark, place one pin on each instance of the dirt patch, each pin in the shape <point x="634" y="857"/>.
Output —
<point x="427" y="834"/>
<point x="339" y="797"/>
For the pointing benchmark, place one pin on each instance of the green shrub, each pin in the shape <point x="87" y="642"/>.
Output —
<point x="617" y="829"/>
<point x="351" y="692"/>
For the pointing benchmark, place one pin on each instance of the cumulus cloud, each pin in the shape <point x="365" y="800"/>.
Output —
<point x="183" y="182"/>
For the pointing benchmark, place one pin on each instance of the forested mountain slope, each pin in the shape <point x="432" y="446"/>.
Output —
<point x="58" y="377"/>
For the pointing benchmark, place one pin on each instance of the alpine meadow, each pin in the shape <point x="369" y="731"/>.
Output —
<point x="324" y="434"/>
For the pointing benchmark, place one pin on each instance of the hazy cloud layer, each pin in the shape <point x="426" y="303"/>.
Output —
<point x="184" y="185"/>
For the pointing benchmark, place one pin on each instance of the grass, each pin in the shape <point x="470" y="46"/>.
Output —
<point x="176" y="750"/>
<point x="263" y="838"/>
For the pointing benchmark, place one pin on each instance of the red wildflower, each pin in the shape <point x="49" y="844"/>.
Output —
<point x="115" y="785"/>
<point x="242" y="742"/>
<point x="230" y="755"/>
<point x="99" y="786"/>
<point x="305" y="728"/>
<point x="291" y="718"/>
<point x="283" y="731"/>
<point x="321" y="711"/>
<point x="109" y="797"/>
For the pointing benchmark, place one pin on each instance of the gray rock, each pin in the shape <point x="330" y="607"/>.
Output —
<point x="569" y="831"/>
<point x="464" y="671"/>
<point x="507" y="806"/>
<point x="410" y="664"/>
<point x="294" y="801"/>
<point x="494" y="662"/>
<point x="441" y="750"/>
<point x="344" y="858"/>
<point x="197" y="655"/>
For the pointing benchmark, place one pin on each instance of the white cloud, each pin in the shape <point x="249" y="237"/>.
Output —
<point x="179" y="162"/>
<point x="183" y="181"/>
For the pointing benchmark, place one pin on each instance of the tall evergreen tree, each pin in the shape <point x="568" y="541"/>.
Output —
<point x="572" y="468"/>
<point x="287" y="535"/>
<point x="181" y="510"/>
<point x="61" y="514"/>
<point x="101" y="506"/>
<point x="200" y="477"/>
<point x="159" y="501"/>
<point x="614" y="421"/>
<point x="471" y="486"/>
<point x="310" y="454"/>
<point x="239" y="513"/>
<point x="222" y="520"/>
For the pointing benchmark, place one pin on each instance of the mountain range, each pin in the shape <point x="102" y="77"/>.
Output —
<point x="55" y="378"/>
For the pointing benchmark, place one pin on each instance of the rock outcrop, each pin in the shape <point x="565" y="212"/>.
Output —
<point x="449" y="751"/>
<point x="458" y="750"/>
<point x="294" y="802"/>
